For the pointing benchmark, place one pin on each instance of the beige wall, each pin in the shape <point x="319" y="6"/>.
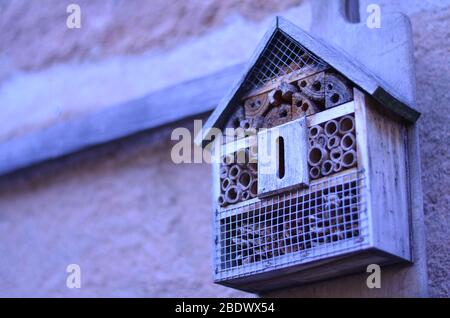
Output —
<point x="139" y="225"/>
<point x="123" y="50"/>
<point x="136" y="224"/>
<point x="111" y="28"/>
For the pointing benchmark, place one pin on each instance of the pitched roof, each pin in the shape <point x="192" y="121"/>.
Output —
<point x="325" y="53"/>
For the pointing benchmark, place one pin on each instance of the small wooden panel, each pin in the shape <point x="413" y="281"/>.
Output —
<point x="282" y="160"/>
<point x="331" y="113"/>
<point x="238" y="144"/>
<point x="383" y="154"/>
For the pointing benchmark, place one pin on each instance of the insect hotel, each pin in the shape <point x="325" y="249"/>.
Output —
<point x="312" y="182"/>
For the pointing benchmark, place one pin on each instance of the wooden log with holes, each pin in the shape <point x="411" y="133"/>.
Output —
<point x="256" y="106"/>
<point x="338" y="90"/>
<point x="278" y="115"/>
<point x="313" y="87"/>
<point x="303" y="106"/>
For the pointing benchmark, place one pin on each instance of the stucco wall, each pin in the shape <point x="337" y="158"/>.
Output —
<point x="139" y="225"/>
<point x="432" y="41"/>
<point x="111" y="28"/>
<point x="123" y="50"/>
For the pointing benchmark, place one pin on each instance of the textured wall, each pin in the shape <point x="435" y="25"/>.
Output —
<point x="432" y="41"/>
<point x="123" y="50"/>
<point x="113" y="27"/>
<point x="137" y="225"/>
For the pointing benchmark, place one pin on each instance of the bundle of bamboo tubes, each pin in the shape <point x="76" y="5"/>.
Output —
<point x="238" y="177"/>
<point x="332" y="147"/>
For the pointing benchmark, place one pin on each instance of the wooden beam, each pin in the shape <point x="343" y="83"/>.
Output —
<point x="156" y="109"/>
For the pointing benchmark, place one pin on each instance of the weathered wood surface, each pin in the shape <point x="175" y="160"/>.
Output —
<point x="328" y="114"/>
<point x="390" y="55"/>
<point x="156" y="109"/>
<point x="294" y="163"/>
<point x="383" y="156"/>
<point x="297" y="275"/>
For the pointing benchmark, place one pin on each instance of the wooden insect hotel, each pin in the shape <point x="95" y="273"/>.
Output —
<point x="311" y="176"/>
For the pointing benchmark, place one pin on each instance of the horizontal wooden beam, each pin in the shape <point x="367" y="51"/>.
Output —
<point x="156" y="109"/>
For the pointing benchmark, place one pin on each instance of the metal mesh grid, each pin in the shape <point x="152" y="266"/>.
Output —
<point x="283" y="55"/>
<point x="297" y="227"/>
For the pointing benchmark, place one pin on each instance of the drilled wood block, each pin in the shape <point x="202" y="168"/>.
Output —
<point x="303" y="106"/>
<point x="278" y="116"/>
<point x="256" y="106"/>
<point x="313" y="86"/>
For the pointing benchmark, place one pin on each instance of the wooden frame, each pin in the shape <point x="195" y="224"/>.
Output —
<point x="386" y="218"/>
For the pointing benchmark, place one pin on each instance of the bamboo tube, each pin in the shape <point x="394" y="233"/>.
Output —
<point x="346" y="124"/>
<point x="221" y="200"/>
<point x="336" y="154"/>
<point x="326" y="167"/>
<point x="225" y="184"/>
<point x="337" y="166"/>
<point x="331" y="128"/>
<point x="348" y="141"/>
<point x="333" y="142"/>
<point x="314" y="172"/>
<point x="244" y="179"/>
<point x="322" y="140"/>
<point x="224" y="171"/>
<point x="348" y="159"/>
<point x="316" y="155"/>
<point x="245" y="195"/>
<point x="234" y="172"/>
<point x="232" y="194"/>
<point x="253" y="188"/>
<point x="315" y="131"/>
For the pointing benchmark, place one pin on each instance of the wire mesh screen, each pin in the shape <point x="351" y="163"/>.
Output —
<point x="296" y="227"/>
<point x="283" y="55"/>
